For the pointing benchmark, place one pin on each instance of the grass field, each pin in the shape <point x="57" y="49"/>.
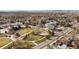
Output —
<point x="35" y="37"/>
<point x="40" y="40"/>
<point x="31" y="37"/>
<point x="4" y="41"/>
<point x="24" y="31"/>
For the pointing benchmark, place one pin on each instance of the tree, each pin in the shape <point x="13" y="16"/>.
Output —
<point x="77" y="18"/>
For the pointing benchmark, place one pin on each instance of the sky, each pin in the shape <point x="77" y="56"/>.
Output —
<point x="39" y="5"/>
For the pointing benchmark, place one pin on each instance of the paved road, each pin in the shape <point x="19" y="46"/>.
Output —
<point x="54" y="39"/>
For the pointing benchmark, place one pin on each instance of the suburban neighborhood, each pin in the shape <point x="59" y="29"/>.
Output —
<point x="39" y="30"/>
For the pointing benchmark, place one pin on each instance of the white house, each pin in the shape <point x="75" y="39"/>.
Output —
<point x="60" y="28"/>
<point x="4" y="30"/>
<point x="50" y="25"/>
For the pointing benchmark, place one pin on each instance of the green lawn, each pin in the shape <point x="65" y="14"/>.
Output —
<point x="40" y="40"/>
<point x="35" y="37"/>
<point x="4" y="41"/>
<point x="24" y="31"/>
